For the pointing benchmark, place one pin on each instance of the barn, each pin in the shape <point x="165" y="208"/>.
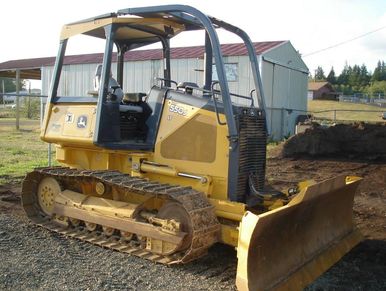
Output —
<point x="284" y="75"/>
<point x="322" y="90"/>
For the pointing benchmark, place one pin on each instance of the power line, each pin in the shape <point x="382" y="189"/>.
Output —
<point x="344" y="42"/>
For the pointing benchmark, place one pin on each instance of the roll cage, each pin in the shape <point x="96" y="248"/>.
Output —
<point x="159" y="24"/>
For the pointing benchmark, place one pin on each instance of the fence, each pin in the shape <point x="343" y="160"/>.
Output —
<point x="30" y="108"/>
<point x="26" y="106"/>
<point x="348" y="115"/>
<point x="379" y="101"/>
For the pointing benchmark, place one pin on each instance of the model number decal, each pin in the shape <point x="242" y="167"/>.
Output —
<point x="177" y="109"/>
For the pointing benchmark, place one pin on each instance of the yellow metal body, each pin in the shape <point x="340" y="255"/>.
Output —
<point x="303" y="235"/>
<point x="75" y="148"/>
<point x="95" y="28"/>
<point x="173" y="153"/>
<point x="307" y="236"/>
<point x="117" y="215"/>
<point x="285" y="247"/>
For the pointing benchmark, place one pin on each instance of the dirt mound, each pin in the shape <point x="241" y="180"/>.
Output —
<point x="359" y="140"/>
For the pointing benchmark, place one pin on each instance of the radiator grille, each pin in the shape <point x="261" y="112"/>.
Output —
<point x="252" y="150"/>
<point x="129" y="126"/>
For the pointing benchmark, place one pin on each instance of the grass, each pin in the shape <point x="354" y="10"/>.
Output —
<point x="20" y="152"/>
<point x="14" y="119"/>
<point x="322" y="105"/>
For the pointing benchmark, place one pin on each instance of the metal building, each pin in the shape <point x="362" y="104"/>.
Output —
<point x="284" y="76"/>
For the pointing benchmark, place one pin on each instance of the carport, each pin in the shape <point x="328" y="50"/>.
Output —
<point x="23" y="69"/>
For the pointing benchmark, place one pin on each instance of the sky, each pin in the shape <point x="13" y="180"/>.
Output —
<point x="30" y="29"/>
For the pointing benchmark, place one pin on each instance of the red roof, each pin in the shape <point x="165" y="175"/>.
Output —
<point x="27" y="63"/>
<point x="233" y="49"/>
<point x="315" y="85"/>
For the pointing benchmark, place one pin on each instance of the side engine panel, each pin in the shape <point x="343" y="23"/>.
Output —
<point x="70" y="123"/>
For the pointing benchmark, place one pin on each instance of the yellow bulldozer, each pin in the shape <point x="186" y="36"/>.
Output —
<point x="164" y="175"/>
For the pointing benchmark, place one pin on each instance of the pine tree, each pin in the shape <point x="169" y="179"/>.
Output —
<point x="343" y="77"/>
<point x="383" y="71"/>
<point x="354" y="76"/>
<point x="377" y="72"/>
<point x="364" y="76"/>
<point x="331" y="76"/>
<point x="319" y="74"/>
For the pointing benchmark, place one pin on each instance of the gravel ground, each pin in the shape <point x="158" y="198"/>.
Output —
<point x="34" y="258"/>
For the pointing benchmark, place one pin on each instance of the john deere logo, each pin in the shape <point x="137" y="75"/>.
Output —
<point x="82" y="121"/>
<point x="69" y="118"/>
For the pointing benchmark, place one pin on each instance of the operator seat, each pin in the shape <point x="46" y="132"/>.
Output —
<point x="132" y="102"/>
<point x="115" y="90"/>
<point x="187" y="87"/>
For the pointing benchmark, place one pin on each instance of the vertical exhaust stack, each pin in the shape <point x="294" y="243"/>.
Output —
<point x="289" y="247"/>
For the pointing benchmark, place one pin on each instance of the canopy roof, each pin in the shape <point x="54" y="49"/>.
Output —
<point x="130" y="28"/>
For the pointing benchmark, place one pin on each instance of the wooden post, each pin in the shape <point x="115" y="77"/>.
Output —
<point x="17" y="99"/>
<point x="29" y="113"/>
<point x="3" y="95"/>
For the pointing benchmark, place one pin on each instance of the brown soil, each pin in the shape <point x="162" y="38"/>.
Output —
<point x="321" y="153"/>
<point x="359" y="140"/>
<point x="370" y="201"/>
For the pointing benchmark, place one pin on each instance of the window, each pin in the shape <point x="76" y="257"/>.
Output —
<point x="231" y="71"/>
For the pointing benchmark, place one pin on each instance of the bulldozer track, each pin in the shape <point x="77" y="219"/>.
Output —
<point x="205" y="226"/>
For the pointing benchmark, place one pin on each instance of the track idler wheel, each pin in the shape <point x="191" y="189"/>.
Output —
<point x="47" y="190"/>
<point x="171" y="218"/>
<point x="174" y="211"/>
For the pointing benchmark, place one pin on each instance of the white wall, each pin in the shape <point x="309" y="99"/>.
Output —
<point x="284" y="82"/>
<point x="75" y="80"/>
<point x="284" y="77"/>
<point x="139" y="75"/>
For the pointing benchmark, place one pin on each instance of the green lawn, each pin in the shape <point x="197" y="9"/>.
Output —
<point x="20" y="152"/>
<point x="321" y="105"/>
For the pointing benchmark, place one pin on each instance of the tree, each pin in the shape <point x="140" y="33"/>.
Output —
<point x="364" y="76"/>
<point x="377" y="88"/>
<point x="319" y="74"/>
<point x="379" y="72"/>
<point x="357" y="79"/>
<point x="10" y="85"/>
<point x="331" y="76"/>
<point x="343" y="77"/>
<point x="354" y="75"/>
<point x="310" y="78"/>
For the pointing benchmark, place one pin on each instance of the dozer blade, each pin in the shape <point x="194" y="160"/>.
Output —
<point x="289" y="247"/>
